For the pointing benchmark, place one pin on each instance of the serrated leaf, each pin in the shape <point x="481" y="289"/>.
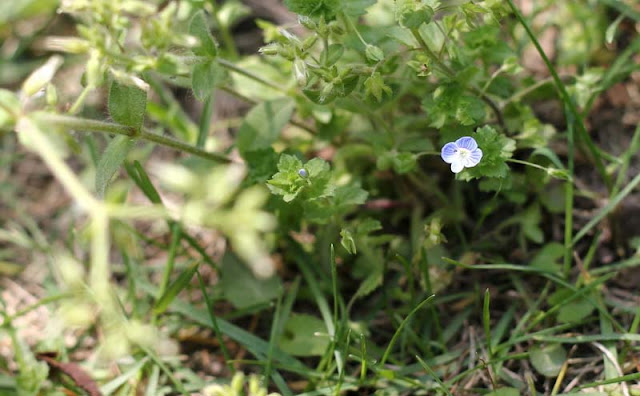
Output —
<point x="263" y="124"/>
<point x="204" y="79"/>
<point x="127" y="104"/>
<point x="548" y="360"/>
<point x="174" y="288"/>
<point x="262" y="165"/>
<point x="241" y="287"/>
<point x="111" y="160"/>
<point x="302" y="336"/>
<point x="199" y="28"/>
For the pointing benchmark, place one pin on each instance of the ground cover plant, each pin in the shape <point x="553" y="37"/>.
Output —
<point x="319" y="197"/>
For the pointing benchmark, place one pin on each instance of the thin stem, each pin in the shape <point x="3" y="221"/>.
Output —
<point x="532" y="88"/>
<point x="537" y="166"/>
<point x="566" y="98"/>
<point x="77" y="105"/>
<point x="353" y="27"/>
<point x="82" y="124"/>
<point x="229" y="65"/>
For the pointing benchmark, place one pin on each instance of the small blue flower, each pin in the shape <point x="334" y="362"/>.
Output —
<point x="463" y="153"/>
<point x="303" y="173"/>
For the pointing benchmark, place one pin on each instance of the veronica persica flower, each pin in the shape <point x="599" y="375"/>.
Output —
<point x="463" y="153"/>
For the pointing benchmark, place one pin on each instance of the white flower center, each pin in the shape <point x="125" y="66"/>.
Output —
<point x="463" y="153"/>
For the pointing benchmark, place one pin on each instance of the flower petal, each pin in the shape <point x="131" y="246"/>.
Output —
<point x="473" y="159"/>
<point x="457" y="166"/>
<point x="467" y="142"/>
<point x="449" y="153"/>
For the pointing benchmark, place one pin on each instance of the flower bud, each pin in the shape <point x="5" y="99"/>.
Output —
<point x="271" y="49"/>
<point x="128" y="79"/>
<point x="286" y="52"/>
<point x="71" y="45"/>
<point x="95" y="69"/>
<point x="41" y="76"/>
<point x="307" y="22"/>
<point x="309" y="42"/>
<point x="303" y="173"/>
<point x="374" y="54"/>
<point x="326" y="92"/>
<point x="300" y="71"/>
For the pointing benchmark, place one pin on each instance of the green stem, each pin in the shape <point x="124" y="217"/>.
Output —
<point x="532" y="88"/>
<point x="205" y="120"/>
<point x="77" y="105"/>
<point x="568" y="201"/>
<point x="353" y="27"/>
<point x="83" y="124"/>
<point x="232" y="67"/>
<point x="227" y="38"/>
<point x="534" y="165"/>
<point x="566" y="98"/>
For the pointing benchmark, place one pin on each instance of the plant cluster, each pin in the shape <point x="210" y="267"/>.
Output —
<point x="391" y="149"/>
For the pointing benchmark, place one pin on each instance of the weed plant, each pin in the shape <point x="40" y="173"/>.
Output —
<point x="407" y="197"/>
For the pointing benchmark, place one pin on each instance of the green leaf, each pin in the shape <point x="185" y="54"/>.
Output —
<point x="204" y="78"/>
<point x="573" y="311"/>
<point x="315" y="8"/>
<point x="303" y="336"/>
<point x="370" y="283"/>
<point x="547" y="258"/>
<point x="504" y="392"/>
<point x="242" y="288"/>
<point x="290" y="184"/>
<point x="348" y="196"/>
<point x="127" y="104"/>
<point x="548" y="360"/>
<point x="263" y="124"/>
<point x="334" y="53"/>
<point x="375" y="86"/>
<point x="111" y="160"/>
<point x="470" y="110"/>
<point x="174" y="288"/>
<point x="356" y="8"/>
<point x="400" y="162"/>
<point x="262" y="165"/>
<point x="199" y="28"/>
